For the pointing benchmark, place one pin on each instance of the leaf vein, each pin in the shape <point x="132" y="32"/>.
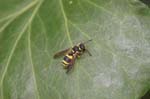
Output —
<point x="15" y="45"/>
<point x="20" y="12"/>
<point x="66" y="22"/>
<point x="32" y="65"/>
<point x="100" y="7"/>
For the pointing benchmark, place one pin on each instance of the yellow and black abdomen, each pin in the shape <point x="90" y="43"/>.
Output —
<point x="67" y="60"/>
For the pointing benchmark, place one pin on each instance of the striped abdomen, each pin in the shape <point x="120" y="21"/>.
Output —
<point x="67" y="60"/>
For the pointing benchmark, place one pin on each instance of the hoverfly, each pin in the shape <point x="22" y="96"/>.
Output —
<point x="71" y="54"/>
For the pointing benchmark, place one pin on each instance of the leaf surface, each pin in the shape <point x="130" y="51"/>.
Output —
<point x="31" y="32"/>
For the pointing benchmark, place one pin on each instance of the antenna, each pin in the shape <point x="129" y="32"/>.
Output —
<point x="87" y="41"/>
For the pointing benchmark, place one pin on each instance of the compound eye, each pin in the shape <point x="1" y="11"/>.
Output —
<point x="75" y="48"/>
<point x="82" y="46"/>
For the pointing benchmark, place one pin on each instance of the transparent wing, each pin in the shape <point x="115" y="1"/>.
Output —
<point x="63" y="52"/>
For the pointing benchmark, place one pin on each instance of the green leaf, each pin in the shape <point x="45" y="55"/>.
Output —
<point x="32" y="31"/>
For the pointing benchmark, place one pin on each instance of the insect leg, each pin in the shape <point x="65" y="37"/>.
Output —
<point x="69" y="68"/>
<point x="88" y="52"/>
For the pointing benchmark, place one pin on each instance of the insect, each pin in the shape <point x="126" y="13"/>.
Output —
<point x="71" y="54"/>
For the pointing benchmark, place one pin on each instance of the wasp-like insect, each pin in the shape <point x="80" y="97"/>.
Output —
<point x="71" y="54"/>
